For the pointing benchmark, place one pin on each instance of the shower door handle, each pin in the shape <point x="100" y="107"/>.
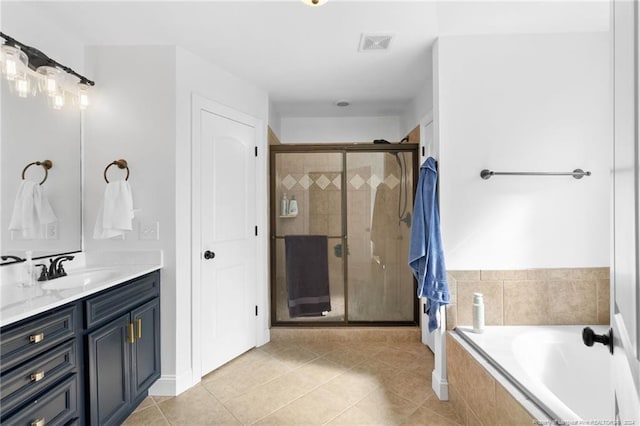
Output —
<point x="208" y="254"/>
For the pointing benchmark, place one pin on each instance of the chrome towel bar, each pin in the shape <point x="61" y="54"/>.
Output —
<point x="577" y="173"/>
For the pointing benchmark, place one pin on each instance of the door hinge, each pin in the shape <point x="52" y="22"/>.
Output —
<point x="256" y="151"/>
<point x="256" y="230"/>
<point x="423" y="151"/>
<point x="256" y="310"/>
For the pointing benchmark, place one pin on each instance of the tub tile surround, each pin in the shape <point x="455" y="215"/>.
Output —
<point x="560" y="296"/>
<point x="478" y="398"/>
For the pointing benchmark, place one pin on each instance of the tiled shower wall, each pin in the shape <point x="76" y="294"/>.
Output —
<point x="531" y="296"/>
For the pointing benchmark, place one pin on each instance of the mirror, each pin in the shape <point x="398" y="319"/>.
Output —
<point x="33" y="131"/>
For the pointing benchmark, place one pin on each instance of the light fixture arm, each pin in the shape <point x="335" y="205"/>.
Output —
<point x="38" y="59"/>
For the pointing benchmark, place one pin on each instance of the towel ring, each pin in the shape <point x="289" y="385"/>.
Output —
<point x="46" y="165"/>
<point x="122" y="164"/>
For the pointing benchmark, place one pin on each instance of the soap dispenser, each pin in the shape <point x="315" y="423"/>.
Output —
<point x="28" y="278"/>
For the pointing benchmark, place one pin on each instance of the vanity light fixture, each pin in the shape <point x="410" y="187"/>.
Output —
<point x="28" y="71"/>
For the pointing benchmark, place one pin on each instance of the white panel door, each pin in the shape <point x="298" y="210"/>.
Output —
<point x="227" y="241"/>
<point x="625" y="284"/>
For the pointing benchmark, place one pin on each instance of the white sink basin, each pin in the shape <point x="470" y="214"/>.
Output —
<point x="79" y="279"/>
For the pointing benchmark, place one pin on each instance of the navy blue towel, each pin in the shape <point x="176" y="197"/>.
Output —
<point x="307" y="269"/>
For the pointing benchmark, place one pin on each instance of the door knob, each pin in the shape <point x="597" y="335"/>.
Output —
<point x="589" y="337"/>
<point x="208" y="254"/>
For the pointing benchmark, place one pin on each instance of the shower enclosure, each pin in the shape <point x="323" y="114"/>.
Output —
<point x="359" y="199"/>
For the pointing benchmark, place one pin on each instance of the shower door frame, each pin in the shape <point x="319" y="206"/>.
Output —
<point x="344" y="149"/>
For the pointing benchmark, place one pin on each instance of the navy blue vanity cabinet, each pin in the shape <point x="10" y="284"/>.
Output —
<point x="122" y="348"/>
<point x="40" y="376"/>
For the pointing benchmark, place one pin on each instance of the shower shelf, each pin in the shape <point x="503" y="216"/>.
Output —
<point x="289" y="216"/>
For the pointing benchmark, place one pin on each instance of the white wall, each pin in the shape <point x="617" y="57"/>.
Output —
<point x="340" y="129"/>
<point x="524" y="103"/>
<point x="142" y="112"/>
<point x="133" y="117"/>
<point x="419" y="107"/>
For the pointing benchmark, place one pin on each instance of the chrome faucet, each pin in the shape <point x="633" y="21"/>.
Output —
<point x="55" y="268"/>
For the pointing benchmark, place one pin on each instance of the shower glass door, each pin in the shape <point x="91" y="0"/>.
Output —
<point x="379" y="194"/>
<point x="359" y="199"/>
<point x="314" y="180"/>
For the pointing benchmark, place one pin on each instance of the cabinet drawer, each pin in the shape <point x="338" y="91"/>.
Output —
<point x="56" y="407"/>
<point x="24" y="341"/>
<point x="121" y="299"/>
<point x="21" y="384"/>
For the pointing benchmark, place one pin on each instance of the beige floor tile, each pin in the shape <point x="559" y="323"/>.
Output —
<point x="377" y="369"/>
<point x="228" y="386"/>
<point x="397" y="358"/>
<point x="425" y="417"/>
<point x="321" y="370"/>
<point x="411" y="386"/>
<point x="387" y="406"/>
<point x="346" y="356"/>
<point x="196" y="407"/>
<point x="146" y="403"/>
<point x="315" y="408"/>
<point x="159" y="399"/>
<point x="151" y="415"/>
<point x="265" y="399"/>
<point x="309" y="383"/>
<point x="352" y="386"/>
<point x="295" y="356"/>
<point x="443" y="408"/>
<point x="356" y="416"/>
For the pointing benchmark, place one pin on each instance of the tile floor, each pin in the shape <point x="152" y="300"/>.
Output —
<point x="310" y="383"/>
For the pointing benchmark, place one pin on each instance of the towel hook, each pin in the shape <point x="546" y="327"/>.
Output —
<point x="122" y="164"/>
<point x="46" y="165"/>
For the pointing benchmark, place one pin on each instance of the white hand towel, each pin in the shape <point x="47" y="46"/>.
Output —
<point x="116" y="213"/>
<point x="31" y="211"/>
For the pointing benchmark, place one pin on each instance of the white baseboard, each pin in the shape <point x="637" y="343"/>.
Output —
<point x="440" y="387"/>
<point x="172" y="385"/>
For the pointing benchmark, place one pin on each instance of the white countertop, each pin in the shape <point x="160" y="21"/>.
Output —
<point x="18" y="302"/>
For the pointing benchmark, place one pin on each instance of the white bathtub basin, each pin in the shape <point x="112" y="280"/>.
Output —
<point x="80" y="278"/>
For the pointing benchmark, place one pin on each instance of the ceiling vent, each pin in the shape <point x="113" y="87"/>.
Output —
<point x="371" y="42"/>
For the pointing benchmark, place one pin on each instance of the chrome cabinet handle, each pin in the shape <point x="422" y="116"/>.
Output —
<point x="36" y="377"/>
<point x="39" y="422"/>
<point x="36" y="338"/>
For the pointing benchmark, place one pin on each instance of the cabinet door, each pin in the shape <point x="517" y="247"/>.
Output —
<point x="109" y="355"/>
<point x="146" y="349"/>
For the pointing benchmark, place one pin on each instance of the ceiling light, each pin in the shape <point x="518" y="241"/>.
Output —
<point x="314" y="3"/>
<point x="27" y="68"/>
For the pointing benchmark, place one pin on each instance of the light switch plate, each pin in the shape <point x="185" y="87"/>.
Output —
<point x="149" y="230"/>
<point x="51" y="231"/>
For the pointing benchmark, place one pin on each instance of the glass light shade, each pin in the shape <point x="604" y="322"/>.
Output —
<point x="83" y="96"/>
<point x="57" y="101"/>
<point x="23" y="87"/>
<point x="14" y="63"/>
<point x="314" y="3"/>
<point x="51" y="81"/>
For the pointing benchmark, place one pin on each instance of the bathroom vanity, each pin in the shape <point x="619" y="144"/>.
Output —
<point x="80" y="354"/>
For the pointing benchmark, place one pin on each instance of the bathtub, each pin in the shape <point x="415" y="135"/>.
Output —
<point x="550" y="365"/>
